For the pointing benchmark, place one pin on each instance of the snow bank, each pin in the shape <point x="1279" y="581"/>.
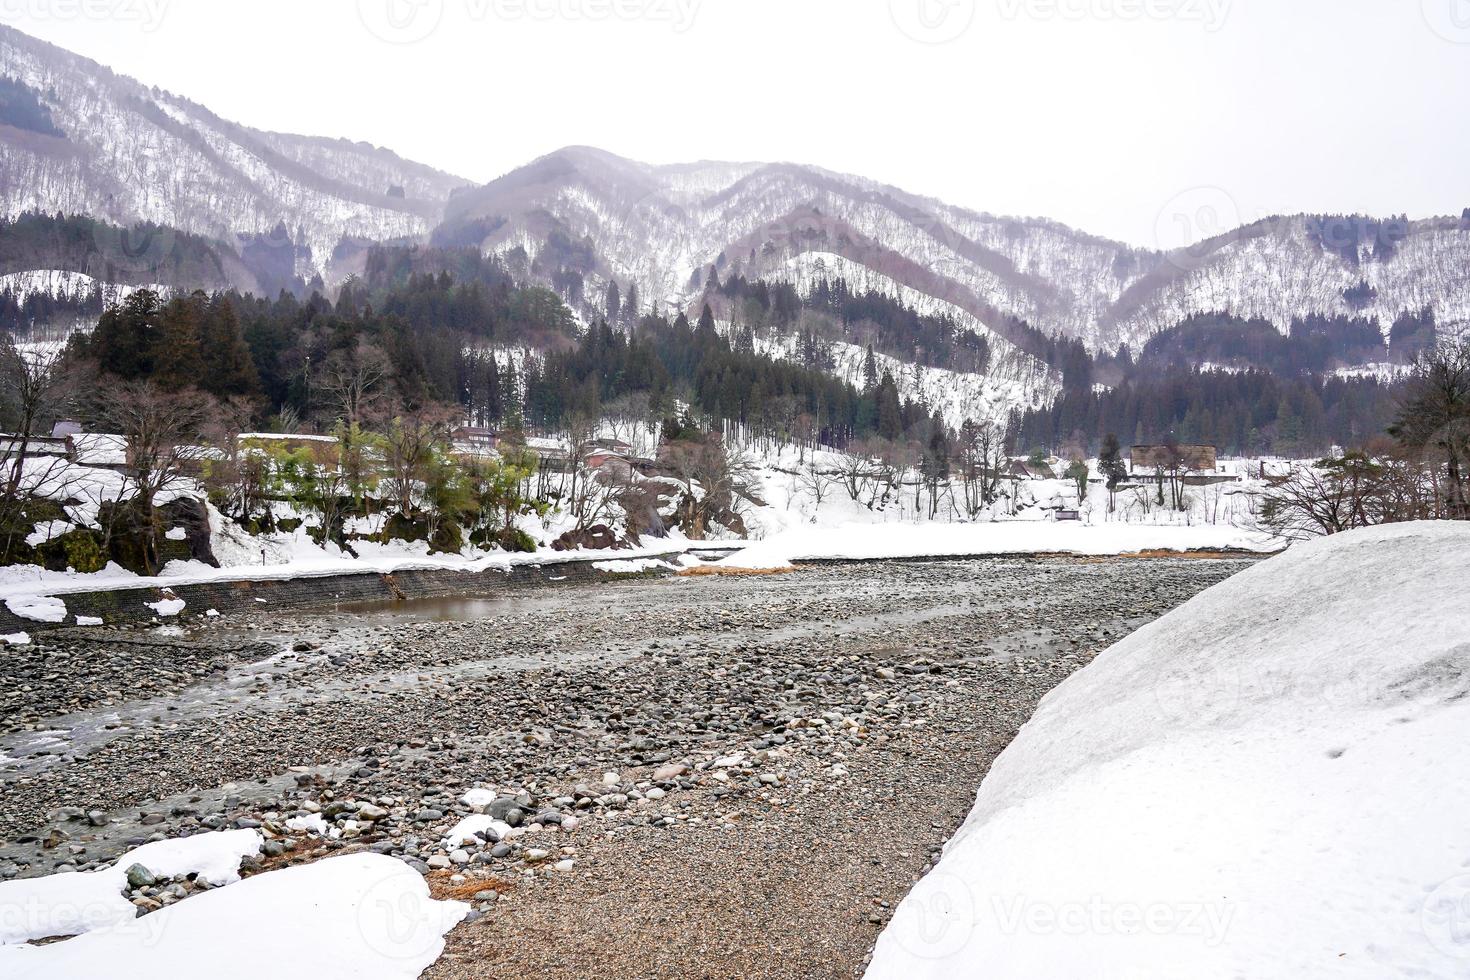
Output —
<point x="935" y="540"/>
<point x="360" y="915"/>
<point x="72" y="904"/>
<point x="1267" y="782"/>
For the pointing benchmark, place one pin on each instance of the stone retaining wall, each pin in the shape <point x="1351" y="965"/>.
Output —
<point x="127" y="606"/>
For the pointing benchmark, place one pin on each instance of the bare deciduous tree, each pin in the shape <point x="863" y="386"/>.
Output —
<point x="716" y="484"/>
<point x="36" y="388"/>
<point x="356" y="381"/>
<point x="162" y="430"/>
<point x="236" y="475"/>
<point x="816" y="482"/>
<point x="1434" y="418"/>
<point x="409" y="447"/>
<point x="981" y="454"/>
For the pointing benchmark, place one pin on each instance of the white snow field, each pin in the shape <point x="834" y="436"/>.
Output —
<point x="1268" y="782"/>
<point x="940" y="540"/>
<point x="359" y="915"/>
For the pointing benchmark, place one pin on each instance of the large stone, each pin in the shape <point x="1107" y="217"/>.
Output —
<point x="669" y="773"/>
<point x="369" y="811"/>
<point x="140" y="877"/>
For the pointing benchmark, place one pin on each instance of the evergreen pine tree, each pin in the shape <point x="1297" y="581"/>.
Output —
<point x="630" y="305"/>
<point x="178" y="362"/>
<point x="1114" y="470"/>
<point x="228" y="368"/>
<point x="613" y="305"/>
<point x="890" y="412"/>
<point x="122" y="344"/>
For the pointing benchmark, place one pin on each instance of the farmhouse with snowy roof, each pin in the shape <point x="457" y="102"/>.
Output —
<point x="1148" y="460"/>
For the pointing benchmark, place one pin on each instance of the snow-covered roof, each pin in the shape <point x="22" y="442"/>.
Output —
<point x="100" y="449"/>
<point x="35" y="445"/>
<point x="283" y="437"/>
<point x="480" y="450"/>
<point x="543" y="445"/>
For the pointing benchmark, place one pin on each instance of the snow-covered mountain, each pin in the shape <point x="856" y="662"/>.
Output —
<point x="122" y="152"/>
<point x="77" y="139"/>
<point x="662" y="227"/>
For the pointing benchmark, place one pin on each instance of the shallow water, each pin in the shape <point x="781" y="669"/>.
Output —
<point x="436" y="609"/>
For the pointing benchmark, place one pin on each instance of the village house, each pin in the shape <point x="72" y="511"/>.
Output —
<point x="36" y="447"/>
<point x="1149" y="460"/>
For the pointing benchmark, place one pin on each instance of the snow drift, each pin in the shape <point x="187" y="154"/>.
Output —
<point x="1267" y="782"/>
<point x="356" y="915"/>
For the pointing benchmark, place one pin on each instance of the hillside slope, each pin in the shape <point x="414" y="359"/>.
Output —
<point x="596" y="217"/>
<point x="105" y="146"/>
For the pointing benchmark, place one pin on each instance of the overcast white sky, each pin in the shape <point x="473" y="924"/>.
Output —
<point x="1145" y="120"/>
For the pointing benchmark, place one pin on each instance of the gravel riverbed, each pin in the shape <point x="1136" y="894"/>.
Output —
<point x="690" y="777"/>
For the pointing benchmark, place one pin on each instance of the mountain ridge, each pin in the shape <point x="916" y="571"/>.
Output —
<point x="580" y="219"/>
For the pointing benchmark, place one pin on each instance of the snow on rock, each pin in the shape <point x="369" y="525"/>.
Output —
<point x="73" y="904"/>
<point x="635" y="567"/>
<point x="16" y="639"/>
<point x="936" y="540"/>
<point x="1263" y="783"/>
<point x="359" y="915"/>
<point x="46" y="530"/>
<point x="313" y="823"/>
<point x="37" y="608"/>
<point x="478" y="799"/>
<point x="167" y="607"/>
<point x="471" y="827"/>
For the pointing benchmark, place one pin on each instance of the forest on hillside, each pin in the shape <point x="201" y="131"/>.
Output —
<point x="451" y="326"/>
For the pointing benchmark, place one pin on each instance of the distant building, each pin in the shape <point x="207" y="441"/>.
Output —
<point x="1021" y="468"/>
<point x="599" y="459"/>
<point x="37" y="447"/>
<point x="616" y="446"/>
<point x="1150" y="460"/>
<point x="476" y="438"/>
<point x="555" y="454"/>
<point x="290" y="441"/>
<point x="99" y="449"/>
